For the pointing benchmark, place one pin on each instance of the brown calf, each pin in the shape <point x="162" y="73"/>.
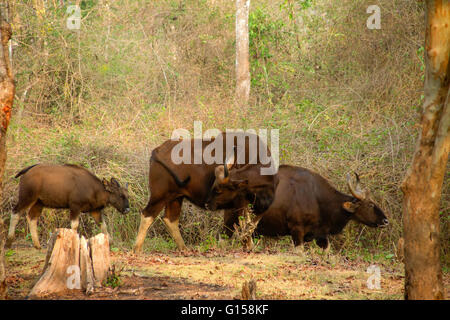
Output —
<point x="64" y="186"/>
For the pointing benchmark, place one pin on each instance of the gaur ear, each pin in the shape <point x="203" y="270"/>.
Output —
<point x="106" y="184"/>
<point x="240" y="183"/>
<point x="350" y="206"/>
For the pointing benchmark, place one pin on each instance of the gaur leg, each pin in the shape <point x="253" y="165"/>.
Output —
<point x="32" y="218"/>
<point x="230" y="218"/>
<point x="298" y="234"/>
<point x="148" y="216"/>
<point x="98" y="217"/>
<point x="74" y="218"/>
<point x="171" y="219"/>
<point x="21" y="207"/>
<point x="322" y="242"/>
<point x="12" y="229"/>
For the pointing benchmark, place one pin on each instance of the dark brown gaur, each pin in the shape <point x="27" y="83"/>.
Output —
<point x="237" y="187"/>
<point x="64" y="187"/>
<point x="307" y="207"/>
<point x="171" y="183"/>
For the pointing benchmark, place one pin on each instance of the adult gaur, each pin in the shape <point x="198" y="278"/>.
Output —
<point x="170" y="183"/>
<point x="305" y="206"/>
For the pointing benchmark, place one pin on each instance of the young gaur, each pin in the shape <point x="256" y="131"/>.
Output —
<point x="64" y="187"/>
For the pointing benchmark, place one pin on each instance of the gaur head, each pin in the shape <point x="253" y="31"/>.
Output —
<point x="118" y="195"/>
<point x="362" y="208"/>
<point x="238" y="187"/>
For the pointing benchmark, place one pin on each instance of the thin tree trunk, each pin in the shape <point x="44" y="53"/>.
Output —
<point x="242" y="53"/>
<point x="3" y="287"/>
<point x="7" y="91"/>
<point x="422" y="186"/>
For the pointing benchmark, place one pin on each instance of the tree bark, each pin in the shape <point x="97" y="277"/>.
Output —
<point x="7" y="91"/>
<point x="242" y="53"/>
<point x="99" y="246"/>
<point x="248" y="290"/>
<point x="422" y="186"/>
<point x="87" y="274"/>
<point x="3" y="287"/>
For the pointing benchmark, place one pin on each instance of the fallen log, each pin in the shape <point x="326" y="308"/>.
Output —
<point x="73" y="263"/>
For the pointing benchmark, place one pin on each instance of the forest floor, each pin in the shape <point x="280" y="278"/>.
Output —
<point x="219" y="274"/>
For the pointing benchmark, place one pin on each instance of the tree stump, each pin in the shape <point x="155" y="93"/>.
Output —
<point x="73" y="263"/>
<point x="249" y="290"/>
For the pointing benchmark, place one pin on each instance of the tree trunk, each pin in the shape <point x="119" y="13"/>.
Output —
<point x="73" y="263"/>
<point x="422" y="186"/>
<point x="7" y="91"/>
<point x="242" y="53"/>
<point x="3" y="287"/>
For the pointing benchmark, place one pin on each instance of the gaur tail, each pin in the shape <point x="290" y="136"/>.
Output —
<point x="23" y="171"/>
<point x="180" y="184"/>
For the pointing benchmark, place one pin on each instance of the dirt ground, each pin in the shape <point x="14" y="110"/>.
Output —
<point x="219" y="274"/>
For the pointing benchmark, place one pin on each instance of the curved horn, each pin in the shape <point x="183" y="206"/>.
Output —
<point x="228" y="164"/>
<point x="225" y="171"/>
<point x="357" y="192"/>
<point x="220" y="175"/>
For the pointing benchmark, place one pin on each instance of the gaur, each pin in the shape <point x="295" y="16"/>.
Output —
<point x="305" y="206"/>
<point x="171" y="183"/>
<point x="64" y="187"/>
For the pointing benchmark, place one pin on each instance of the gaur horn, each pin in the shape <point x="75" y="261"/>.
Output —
<point x="357" y="191"/>
<point x="228" y="164"/>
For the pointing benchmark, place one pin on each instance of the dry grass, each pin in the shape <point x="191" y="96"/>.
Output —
<point x="219" y="274"/>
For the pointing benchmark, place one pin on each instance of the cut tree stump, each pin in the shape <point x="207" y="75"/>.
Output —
<point x="249" y="290"/>
<point x="73" y="263"/>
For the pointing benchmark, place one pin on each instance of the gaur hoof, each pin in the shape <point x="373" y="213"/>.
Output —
<point x="322" y="243"/>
